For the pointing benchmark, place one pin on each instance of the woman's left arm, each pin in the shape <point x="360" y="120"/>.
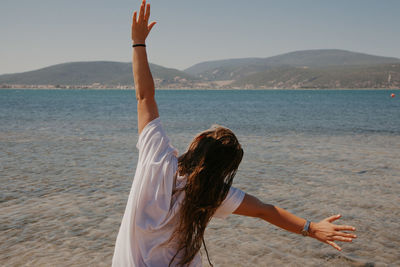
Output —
<point x="324" y="231"/>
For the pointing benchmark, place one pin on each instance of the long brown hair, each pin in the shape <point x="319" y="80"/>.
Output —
<point x="210" y="165"/>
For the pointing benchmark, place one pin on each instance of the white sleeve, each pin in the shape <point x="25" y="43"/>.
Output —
<point x="154" y="176"/>
<point x="148" y="205"/>
<point x="230" y="204"/>
<point x="153" y="142"/>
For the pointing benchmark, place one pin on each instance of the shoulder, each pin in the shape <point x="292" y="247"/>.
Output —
<point x="232" y="201"/>
<point x="154" y="141"/>
<point x="151" y="128"/>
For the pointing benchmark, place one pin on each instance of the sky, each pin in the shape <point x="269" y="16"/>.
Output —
<point x="39" y="33"/>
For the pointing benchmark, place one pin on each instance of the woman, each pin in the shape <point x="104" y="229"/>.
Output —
<point x="173" y="198"/>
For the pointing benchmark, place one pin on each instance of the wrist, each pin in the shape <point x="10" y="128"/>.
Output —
<point x="306" y="228"/>
<point x="138" y="45"/>
<point x="312" y="229"/>
<point x="139" y="41"/>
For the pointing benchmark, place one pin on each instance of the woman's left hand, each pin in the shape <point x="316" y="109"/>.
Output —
<point x="327" y="232"/>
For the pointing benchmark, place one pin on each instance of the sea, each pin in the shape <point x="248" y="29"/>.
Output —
<point x="68" y="158"/>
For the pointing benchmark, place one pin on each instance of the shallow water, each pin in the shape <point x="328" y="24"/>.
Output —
<point x="67" y="160"/>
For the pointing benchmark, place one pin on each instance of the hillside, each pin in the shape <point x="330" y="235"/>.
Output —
<point x="106" y="73"/>
<point x="235" y="69"/>
<point x="376" y="76"/>
<point x="301" y="69"/>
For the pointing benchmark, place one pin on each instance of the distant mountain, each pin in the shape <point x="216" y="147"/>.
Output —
<point x="369" y="76"/>
<point x="87" y="73"/>
<point x="234" y="69"/>
<point x="301" y="69"/>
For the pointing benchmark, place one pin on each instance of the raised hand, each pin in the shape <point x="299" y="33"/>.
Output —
<point x="140" y="24"/>
<point x="327" y="232"/>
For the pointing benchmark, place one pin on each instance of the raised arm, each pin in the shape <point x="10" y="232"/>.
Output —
<point x="144" y="84"/>
<point x="324" y="231"/>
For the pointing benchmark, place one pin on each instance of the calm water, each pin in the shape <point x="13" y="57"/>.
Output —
<point x="67" y="160"/>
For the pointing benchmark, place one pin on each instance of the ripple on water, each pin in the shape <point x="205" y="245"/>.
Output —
<point x="65" y="180"/>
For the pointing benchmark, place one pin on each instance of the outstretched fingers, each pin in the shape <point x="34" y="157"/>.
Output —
<point x="142" y="10"/>
<point x="140" y="25"/>
<point x="333" y="218"/>
<point x="344" y="228"/>
<point x="327" y="232"/>
<point x="338" y="233"/>
<point x="143" y="16"/>
<point x="333" y="244"/>
<point x="342" y="238"/>
<point x="147" y="13"/>
<point x="151" y="25"/>
<point x="134" y="18"/>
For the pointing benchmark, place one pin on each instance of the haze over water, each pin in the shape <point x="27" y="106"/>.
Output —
<point x="67" y="160"/>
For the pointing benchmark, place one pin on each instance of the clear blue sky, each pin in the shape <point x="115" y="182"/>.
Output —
<point x="38" y="33"/>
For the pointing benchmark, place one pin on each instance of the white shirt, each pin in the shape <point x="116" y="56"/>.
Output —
<point x="151" y="213"/>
